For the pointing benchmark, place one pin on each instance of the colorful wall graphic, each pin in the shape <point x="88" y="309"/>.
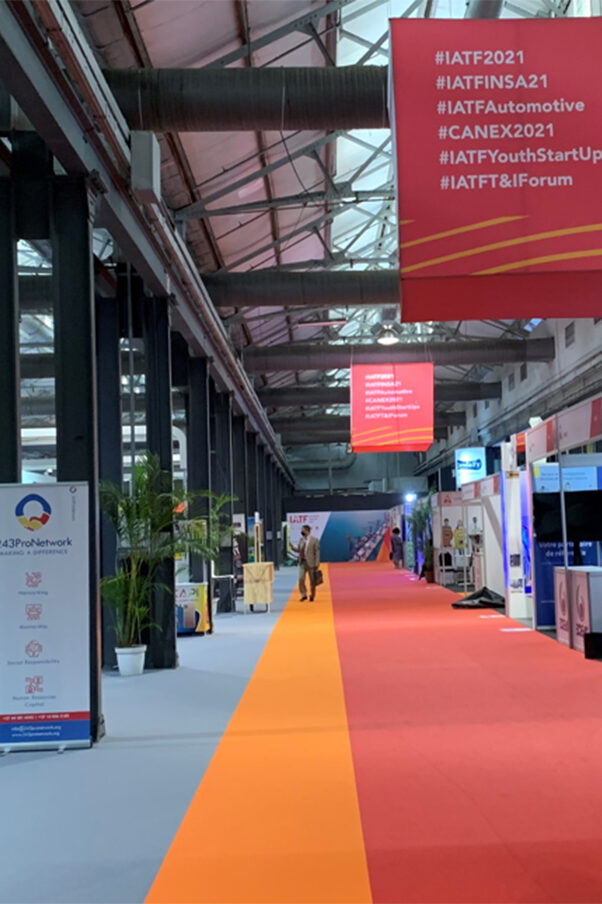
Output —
<point x="500" y="169"/>
<point x="344" y="536"/>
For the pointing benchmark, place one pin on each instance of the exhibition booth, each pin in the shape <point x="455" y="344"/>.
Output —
<point x="449" y="536"/>
<point x="565" y="503"/>
<point x="478" y="537"/>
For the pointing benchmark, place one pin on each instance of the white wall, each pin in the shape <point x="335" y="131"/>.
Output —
<point x="575" y="373"/>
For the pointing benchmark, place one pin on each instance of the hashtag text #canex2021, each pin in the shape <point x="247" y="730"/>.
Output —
<point x="497" y="131"/>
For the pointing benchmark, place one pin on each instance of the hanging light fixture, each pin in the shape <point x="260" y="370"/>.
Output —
<point x="388" y="335"/>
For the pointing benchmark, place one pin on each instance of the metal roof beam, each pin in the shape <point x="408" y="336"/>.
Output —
<point x="307" y="396"/>
<point x="342" y="192"/>
<point x="298" y="24"/>
<point x="198" y="208"/>
<point x="307" y="356"/>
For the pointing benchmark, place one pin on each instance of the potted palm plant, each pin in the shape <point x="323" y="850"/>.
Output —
<point x="428" y="567"/>
<point x="151" y="519"/>
<point x="420" y="522"/>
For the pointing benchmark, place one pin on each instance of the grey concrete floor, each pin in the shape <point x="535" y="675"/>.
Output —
<point x="93" y="826"/>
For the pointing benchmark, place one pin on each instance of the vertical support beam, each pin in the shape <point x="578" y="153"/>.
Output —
<point x="10" y="409"/>
<point x="239" y="451"/>
<point x="253" y="498"/>
<point x="75" y="380"/>
<point x="277" y="517"/>
<point x="157" y="353"/>
<point x="260" y="472"/>
<point x="269" y="509"/>
<point x="31" y="168"/>
<point x="222" y="471"/>
<point x="161" y="653"/>
<point x="110" y="458"/>
<point x="198" y="440"/>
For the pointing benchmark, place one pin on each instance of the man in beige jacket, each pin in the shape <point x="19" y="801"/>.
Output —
<point x="309" y="561"/>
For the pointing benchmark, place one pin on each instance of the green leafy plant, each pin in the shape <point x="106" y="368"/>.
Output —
<point x="428" y="557"/>
<point x="154" y="522"/>
<point x="420" y="520"/>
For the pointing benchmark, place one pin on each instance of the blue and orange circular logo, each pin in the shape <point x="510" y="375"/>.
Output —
<point x="38" y="512"/>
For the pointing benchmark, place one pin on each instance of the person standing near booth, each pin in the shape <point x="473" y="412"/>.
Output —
<point x="396" y="547"/>
<point x="309" y="562"/>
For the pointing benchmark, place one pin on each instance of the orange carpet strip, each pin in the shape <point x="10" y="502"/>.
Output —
<point x="276" y="817"/>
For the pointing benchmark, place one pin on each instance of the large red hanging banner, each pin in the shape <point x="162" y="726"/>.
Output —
<point x="499" y="167"/>
<point x="392" y="407"/>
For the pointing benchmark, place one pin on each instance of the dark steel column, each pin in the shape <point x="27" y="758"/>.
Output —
<point x="110" y="459"/>
<point x="277" y="517"/>
<point x="262" y="493"/>
<point x="10" y="409"/>
<point x="161" y="652"/>
<point x="253" y="499"/>
<point x="239" y="452"/>
<point x="222" y="470"/>
<point x="272" y="504"/>
<point x="198" y="447"/>
<point x="268" y="509"/>
<point x="75" y="380"/>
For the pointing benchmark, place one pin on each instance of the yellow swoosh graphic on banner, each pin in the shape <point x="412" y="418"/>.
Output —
<point x="484" y="224"/>
<point x="546" y="259"/>
<point x="418" y="434"/>
<point x="388" y="428"/>
<point x="386" y="442"/>
<point x="508" y="243"/>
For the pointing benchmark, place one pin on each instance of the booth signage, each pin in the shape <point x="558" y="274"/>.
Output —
<point x="563" y="613"/>
<point x="470" y="465"/>
<point x="44" y="617"/>
<point x="392" y="407"/>
<point x="192" y="609"/>
<point x="499" y="167"/>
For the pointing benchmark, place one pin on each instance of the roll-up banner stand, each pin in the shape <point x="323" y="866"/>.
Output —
<point x="44" y="617"/>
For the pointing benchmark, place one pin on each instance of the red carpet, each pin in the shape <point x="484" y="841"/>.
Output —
<point x="477" y="752"/>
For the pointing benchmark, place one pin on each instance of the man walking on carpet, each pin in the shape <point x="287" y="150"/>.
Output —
<point x="309" y="561"/>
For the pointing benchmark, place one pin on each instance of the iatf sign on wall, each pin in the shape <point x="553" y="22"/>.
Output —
<point x="392" y="407"/>
<point x="499" y="167"/>
<point x="44" y="617"/>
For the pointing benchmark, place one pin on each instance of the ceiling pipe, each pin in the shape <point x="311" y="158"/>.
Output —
<point x="305" y="356"/>
<point x="271" y="98"/>
<point x="336" y="288"/>
<point x="451" y="391"/>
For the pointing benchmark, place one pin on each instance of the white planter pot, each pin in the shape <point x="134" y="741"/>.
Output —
<point x="131" y="660"/>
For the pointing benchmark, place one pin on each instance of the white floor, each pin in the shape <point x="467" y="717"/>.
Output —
<point x="92" y="826"/>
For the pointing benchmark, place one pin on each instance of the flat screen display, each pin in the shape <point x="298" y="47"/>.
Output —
<point x="583" y="516"/>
